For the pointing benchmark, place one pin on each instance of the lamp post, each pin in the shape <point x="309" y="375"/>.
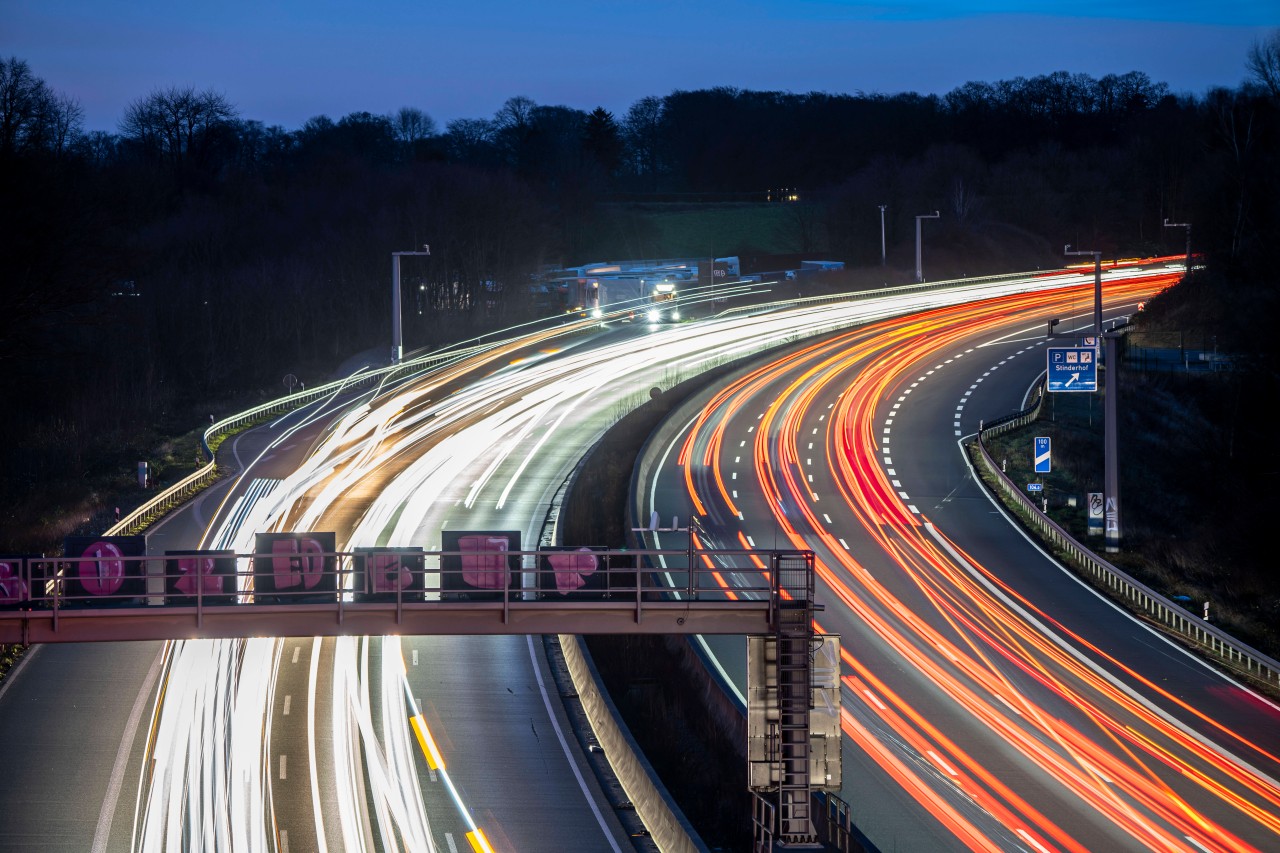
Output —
<point x="397" y="332"/>
<point x="1186" y="225"/>
<point x="919" y="267"/>
<point x="882" y="257"/>
<point x="1097" y="286"/>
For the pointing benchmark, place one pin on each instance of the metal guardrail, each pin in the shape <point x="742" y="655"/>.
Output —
<point x="1220" y="645"/>
<point x="190" y="485"/>
<point x="897" y="290"/>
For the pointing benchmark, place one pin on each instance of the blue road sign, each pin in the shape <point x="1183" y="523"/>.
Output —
<point x="1035" y="487"/>
<point x="1073" y="369"/>
<point x="1042" y="454"/>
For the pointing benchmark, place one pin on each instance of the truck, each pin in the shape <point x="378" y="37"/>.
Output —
<point x="664" y="303"/>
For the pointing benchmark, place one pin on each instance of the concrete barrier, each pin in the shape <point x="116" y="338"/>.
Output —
<point x="666" y="825"/>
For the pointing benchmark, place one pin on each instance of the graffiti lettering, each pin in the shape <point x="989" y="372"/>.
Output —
<point x="484" y="561"/>
<point x="13" y="589"/>
<point x="388" y="573"/>
<point x="104" y="574"/>
<point x="198" y="573"/>
<point x="297" y="562"/>
<point x="573" y="568"/>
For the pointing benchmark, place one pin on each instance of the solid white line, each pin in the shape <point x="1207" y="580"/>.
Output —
<point x="108" y="812"/>
<point x="1081" y="656"/>
<point x="322" y="846"/>
<point x="555" y="724"/>
<point x="18" y="667"/>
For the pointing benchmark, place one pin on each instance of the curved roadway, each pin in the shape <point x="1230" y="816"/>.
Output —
<point x="271" y="745"/>
<point x="991" y="701"/>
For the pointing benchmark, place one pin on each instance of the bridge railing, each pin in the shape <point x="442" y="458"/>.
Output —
<point x="396" y="589"/>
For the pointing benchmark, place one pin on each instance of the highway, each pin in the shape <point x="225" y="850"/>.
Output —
<point x="310" y="745"/>
<point x="991" y="701"/>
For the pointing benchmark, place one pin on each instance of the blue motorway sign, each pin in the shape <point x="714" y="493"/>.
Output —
<point x="1042" y="454"/>
<point x="1073" y="369"/>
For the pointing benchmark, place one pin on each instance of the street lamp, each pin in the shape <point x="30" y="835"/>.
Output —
<point x="919" y="269"/>
<point x="1097" y="286"/>
<point x="397" y="333"/>
<point x="1186" y="225"/>
<point x="882" y="259"/>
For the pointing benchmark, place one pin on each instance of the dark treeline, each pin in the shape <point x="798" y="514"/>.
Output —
<point x="196" y="256"/>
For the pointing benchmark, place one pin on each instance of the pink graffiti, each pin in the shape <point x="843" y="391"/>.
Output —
<point x="13" y="588"/>
<point x="388" y="573"/>
<point x="102" y="576"/>
<point x="573" y="568"/>
<point x="197" y="573"/>
<point x="484" y="561"/>
<point x="297" y="561"/>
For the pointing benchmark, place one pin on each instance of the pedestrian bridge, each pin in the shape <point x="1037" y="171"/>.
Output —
<point x="298" y="585"/>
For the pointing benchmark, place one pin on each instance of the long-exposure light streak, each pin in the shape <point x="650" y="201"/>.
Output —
<point x="379" y="472"/>
<point x="1130" y="763"/>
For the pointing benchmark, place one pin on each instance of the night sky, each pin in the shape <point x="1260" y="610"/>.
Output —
<point x="284" y="62"/>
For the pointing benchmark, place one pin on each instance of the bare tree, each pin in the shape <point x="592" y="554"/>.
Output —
<point x="515" y="114"/>
<point x="63" y="119"/>
<point x="178" y="125"/>
<point x="642" y="132"/>
<point x="965" y="203"/>
<point x="32" y="116"/>
<point x="413" y="125"/>
<point x="469" y="140"/>
<point x="513" y="128"/>
<point x="1263" y="63"/>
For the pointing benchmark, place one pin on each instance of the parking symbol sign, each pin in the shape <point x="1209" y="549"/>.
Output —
<point x="1072" y="369"/>
<point x="1042" y="455"/>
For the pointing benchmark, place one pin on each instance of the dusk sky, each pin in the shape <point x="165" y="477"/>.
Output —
<point x="284" y="62"/>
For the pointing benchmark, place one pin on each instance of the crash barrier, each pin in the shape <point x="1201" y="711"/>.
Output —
<point x="181" y="491"/>
<point x="1036" y="281"/>
<point x="663" y="820"/>
<point x="297" y="584"/>
<point x="1220" y="645"/>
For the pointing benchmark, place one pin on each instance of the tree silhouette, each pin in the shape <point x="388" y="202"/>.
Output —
<point x="179" y="126"/>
